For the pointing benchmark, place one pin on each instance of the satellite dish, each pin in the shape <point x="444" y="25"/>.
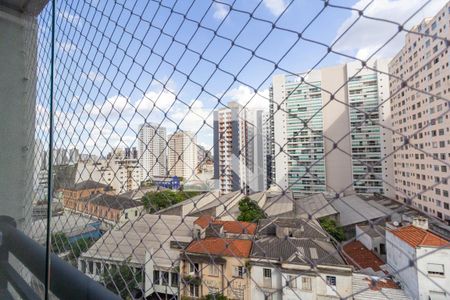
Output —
<point x="396" y="224"/>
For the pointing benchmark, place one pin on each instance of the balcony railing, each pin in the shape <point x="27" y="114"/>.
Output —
<point x="66" y="281"/>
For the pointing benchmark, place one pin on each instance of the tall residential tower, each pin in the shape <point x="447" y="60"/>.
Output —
<point x="329" y="130"/>
<point x="152" y="150"/>
<point x="182" y="154"/>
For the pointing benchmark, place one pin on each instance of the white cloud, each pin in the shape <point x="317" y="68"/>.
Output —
<point x="246" y="96"/>
<point x="94" y="76"/>
<point x="367" y="36"/>
<point x="220" y="11"/>
<point x="193" y="119"/>
<point x="156" y="100"/>
<point x="276" y="7"/>
<point x="67" y="47"/>
<point x="74" y="19"/>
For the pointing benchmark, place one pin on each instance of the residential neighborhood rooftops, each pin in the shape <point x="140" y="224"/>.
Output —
<point x="221" y="247"/>
<point x="365" y="288"/>
<point x="418" y="237"/>
<point x="353" y="210"/>
<point x="300" y="228"/>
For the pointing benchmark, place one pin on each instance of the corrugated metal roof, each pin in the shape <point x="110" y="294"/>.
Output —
<point x="353" y="210"/>
<point x="362" y="290"/>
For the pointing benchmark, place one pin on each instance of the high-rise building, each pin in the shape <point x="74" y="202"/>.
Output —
<point x="419" y="88"/>
<point x="267" y="146"/>
<point x="182" y="154"/>
<point x="328" y="130"/>
<point x="238" y="149"/>
<point x="152" y="150"/>
<point x="74" y="156"/>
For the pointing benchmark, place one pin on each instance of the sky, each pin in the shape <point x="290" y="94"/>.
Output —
<point x="120" y="64"/>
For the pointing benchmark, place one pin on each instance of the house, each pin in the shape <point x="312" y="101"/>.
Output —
<point x="151" y="245"/>
<point x="419" y="260"/>
<point x="216" y="265"/>
<point x="112" y="209"/>
<point x="72" y="194"/>
<point x="207" y="226"/>
<point x="294" y="259"/>
<point x="373" y="238"/>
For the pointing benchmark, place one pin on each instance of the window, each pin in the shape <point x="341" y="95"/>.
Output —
<point x="331" y="280"/>
<point x="194" y="268"/>
<point x="306" y="283"/>
<point x="174" y="279"/>
<point x="194" y="290"/>
<point x="238" y="271"/>
<point x="267" y="273"/>
<point x="165" y="278"/>
<point x="292" y="281"/>
<point x="214" y="270"/>
<point x="435" y="269"/>
<point x="155" y="277"/>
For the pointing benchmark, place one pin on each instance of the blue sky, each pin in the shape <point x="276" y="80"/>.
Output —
<point x="173" y="62"/>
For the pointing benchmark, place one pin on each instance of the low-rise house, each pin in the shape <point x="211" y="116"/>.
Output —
<point x="207" y="226"/>
<point x="373" y="238"/>
<point x="216" y="265"/>
<point x="150" y="244"/>
<point x="419" y="259"/>
<point x="113" y="209"/>
<point x="71" y="195"/>
<point x="294" y="259"/>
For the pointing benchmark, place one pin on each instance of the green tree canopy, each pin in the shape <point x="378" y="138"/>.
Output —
<point x="155" y="201"/>
<point x="122" y="280"/>
<point x="60" y="242"/>
<point x="330" y="226"/>
<point x="250" y="211"/>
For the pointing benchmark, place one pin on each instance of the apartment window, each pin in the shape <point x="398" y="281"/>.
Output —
<point x="213" y="270"/>
<point x="194" y="290"/>
<point x="292" y="281"/>
<point x="238" y="271"/>
<point x="165" y="278"/>
<point x="174" y="279"/>
<point x="331" y="280"/>
<point x="435" y="269"/>
<point x="306" y="283"/>
<point x="267" y="273"/>
<point x="155" y="277"/>
<point x="194" y="268"/>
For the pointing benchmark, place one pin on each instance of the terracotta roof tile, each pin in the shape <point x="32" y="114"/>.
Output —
<point x="235" y="227"/>
<point x="361" y="257"/>
<point x="417" y="237"/>
<point x="222" y="247"/>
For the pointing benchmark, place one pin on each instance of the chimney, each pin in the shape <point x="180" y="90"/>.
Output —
<point x="420" y="222"/>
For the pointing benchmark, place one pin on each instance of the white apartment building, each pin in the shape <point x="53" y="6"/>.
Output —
<point x="313" y="114"/>
<point x="182" y="155"/>
<point x="420" y="86"/>
<point x="152" y="150"/>
<point x="121" y="173"/>
<point x="238" y="149"/>
<point x="429" y="276"/>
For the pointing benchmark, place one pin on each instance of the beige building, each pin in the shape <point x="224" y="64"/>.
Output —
<point x="182" y="155"/>
<point x="419" y="84"/>
<point x="118" y="170"/>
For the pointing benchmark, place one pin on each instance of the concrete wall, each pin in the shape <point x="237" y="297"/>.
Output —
<point x="336" y="125"/>
<point x="17" y="114"/>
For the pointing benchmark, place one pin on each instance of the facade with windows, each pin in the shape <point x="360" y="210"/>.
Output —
<point x="329" y="130"/>
<point x="429" y="276"/>
<point x="152" y="150"/>
<point x="182" y="155"/>
<point x="420" y="116"/>
<point x="281" y="261"/>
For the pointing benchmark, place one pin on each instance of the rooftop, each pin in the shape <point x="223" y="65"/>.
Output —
<point x="302" y="227"/>
<point x="418" y="237"/>
<point x="360" y="257"/>
<point x="364" y="288"/>
<point x="235" y="227"/>
<point x="221" y="247"/>
<point x="113" y="201"/>
<point x="86" y="185"/>
<point x="353" y="210"/>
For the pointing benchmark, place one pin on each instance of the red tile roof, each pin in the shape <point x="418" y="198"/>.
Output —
<point x="220" y="246"/>
<point x="381" y="284"/>
<point x="418" y="237"/>
<point x="235" y="227"/>
<point x="360" y="257"/>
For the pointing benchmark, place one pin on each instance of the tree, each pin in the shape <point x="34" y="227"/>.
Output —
<point x="330" y="226"/>
<point x="122" y="280"/>
<point x="250" y="211"/>
<point x="155" y="201"/>
<point x="80" y="246"/>
<point x="60" y="242"/>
